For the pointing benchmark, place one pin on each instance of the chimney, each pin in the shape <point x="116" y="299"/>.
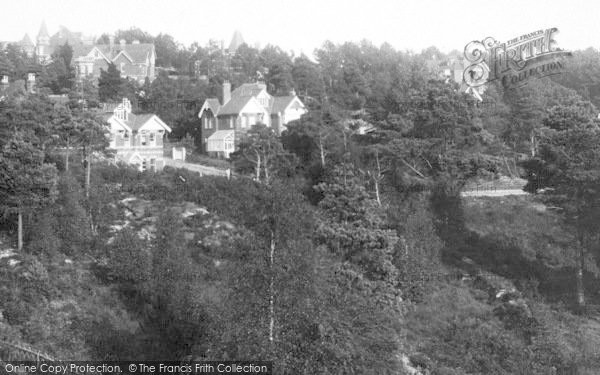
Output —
<point x="31" y="82"/>
<point x="226" y="92"/>
<point x="122" y="42"/>
<point x="293" y="92"/>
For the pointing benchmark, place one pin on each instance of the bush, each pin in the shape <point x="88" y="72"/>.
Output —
<point x="129" y="261"/>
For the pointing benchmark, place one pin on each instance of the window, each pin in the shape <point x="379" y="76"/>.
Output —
<point x="144" y="166"/>
<point x="205" y="120"/>
<point x="231" y="123"/>
<point x="153" y="164"/>
<point x="152" y="139"/>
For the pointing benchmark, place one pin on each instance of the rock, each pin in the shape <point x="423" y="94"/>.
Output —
<point x="408" y="367"/>
<point x="421" y="360"/>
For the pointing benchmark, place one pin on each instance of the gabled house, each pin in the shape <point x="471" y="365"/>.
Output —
<point x="224" y="122"/>
<point x="135" y="60"/>
<point x="137" y="138"/>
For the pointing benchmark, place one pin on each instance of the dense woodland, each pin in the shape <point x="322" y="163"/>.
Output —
<point x="332" y="252"/>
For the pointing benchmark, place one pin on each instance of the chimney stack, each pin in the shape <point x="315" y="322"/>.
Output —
<point x="226" y="92"/>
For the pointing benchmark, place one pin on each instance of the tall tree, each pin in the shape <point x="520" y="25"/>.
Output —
<point x="109" y="84"/>
<point x="568" y="163"/>
<point x="262" y="152"/>
<point x="26" y="181"/>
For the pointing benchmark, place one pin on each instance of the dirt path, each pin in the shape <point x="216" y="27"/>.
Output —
<point x="202" y="169"/>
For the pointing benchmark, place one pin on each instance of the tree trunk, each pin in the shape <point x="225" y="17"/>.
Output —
<point x="532" y="144"/>
<point x="88" y="173"/>
<point x="377" y="192"/>
<point x="322" y="151"/>
<point x="266" y="169"/>
<point x="67" y="158"/>
<point x="271" y="291"/>
<point x="507" y="167"/>
<point x="580" y="287"/>
<point x="257" y="167"/>
<point x="20" y="229"/>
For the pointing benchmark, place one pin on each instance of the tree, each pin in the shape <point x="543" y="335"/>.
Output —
<point x="25" y="180"/>
<point x="308" y="80"/>
<point x="109" y="84"/>
<point x="278" y="66"/>
<point x="91" y="134"/>
<point x="262" y="152"/>
<point x="166" y="50"/>
<point x="59" y="75"/>
<point x="353" y="226"/>
<point x="568" y="167"/>
<point x="316" y="137"/>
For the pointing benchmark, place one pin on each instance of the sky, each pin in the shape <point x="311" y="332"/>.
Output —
<point x="303" y="25"/>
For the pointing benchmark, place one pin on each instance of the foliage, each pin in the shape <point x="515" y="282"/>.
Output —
<point x="111" y="87"/>
<point x="262" y="154"/>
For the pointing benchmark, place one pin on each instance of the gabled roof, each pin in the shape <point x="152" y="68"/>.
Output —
<point x="221" y="135"/>
<point x="84" y="50"/>
<point x="43" y="31"/>
<point x="26" y="41"/>
<point x="65" y="35"/>
<point x="212" y="104"/>
<point x="124" y="53"/>
<point x="138" y="52"/>
<point x="249" y="89"/>
<point x="236" y="41"/>
<point x="108" y="116"/>
<point x="280" y="103"/>
<point x="135" y="122"/>
<point x="235" y="105"/>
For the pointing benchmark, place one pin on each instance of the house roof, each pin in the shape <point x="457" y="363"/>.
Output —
<point x="242" y="95"/>
<point x="138" y="53"/>
<point x="137" y="121"/>
<point x="65" y="35"/>
<point x="214" y="105"/>
<point x="221" y="135"/>
<point x="280" y="103"/>
<point x="249" y="89"/>
<point x="43" y="31"/>
<point x="26" y="41"/>
<point x="235" y="105"/>
<point x="236" y="41"/>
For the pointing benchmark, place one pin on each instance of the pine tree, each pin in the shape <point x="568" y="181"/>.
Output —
<point x="109" y="84"/>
